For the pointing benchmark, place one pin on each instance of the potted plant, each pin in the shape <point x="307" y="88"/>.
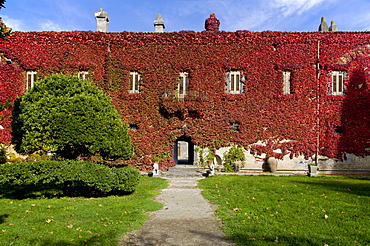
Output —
<point x="312" y="170"/>
<point x="234" y="159"/>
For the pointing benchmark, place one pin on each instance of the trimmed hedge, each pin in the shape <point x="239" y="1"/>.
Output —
<point x="73" y="174"/>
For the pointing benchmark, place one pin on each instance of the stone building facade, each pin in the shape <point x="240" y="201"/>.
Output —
<point x="300" y="97"/>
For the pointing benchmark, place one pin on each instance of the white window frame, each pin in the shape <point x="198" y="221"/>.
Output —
<point x="83" y="75"/>
<point x="183" y="85"/>
<point x="135" y="79"/>
<point x="30" y="79"/>
<point x="235" y="82"/>
<point x="337" y="82"/>
<point x="287" y="82"/>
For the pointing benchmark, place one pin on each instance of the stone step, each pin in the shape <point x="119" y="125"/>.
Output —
<point x="185" y="170"/>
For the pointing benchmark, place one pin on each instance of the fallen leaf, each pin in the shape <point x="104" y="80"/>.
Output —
<point x="326" y="217"/>
<point x="69" y="226"/>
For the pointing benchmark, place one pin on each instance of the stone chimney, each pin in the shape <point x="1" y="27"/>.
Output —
<point x="159" y="24"/>
<point x="212" y="23"/>
<point x="333" y="27"/>
<point x="323" y="26"/>
<point x="102" y="20"/>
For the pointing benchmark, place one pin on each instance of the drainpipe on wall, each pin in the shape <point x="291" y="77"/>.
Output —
<point x="318" y="102"/>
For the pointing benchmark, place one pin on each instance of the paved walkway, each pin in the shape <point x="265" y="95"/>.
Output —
<point x="186" y="219"/>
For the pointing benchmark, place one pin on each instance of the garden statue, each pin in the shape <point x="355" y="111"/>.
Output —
<point x="212" y="23"/>
<point x="155" y="168"/>
<point x="212" y="167"/>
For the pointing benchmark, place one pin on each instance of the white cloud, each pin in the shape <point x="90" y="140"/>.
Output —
<point x="50" y="26"/>
<point x="288" y="7"/>
<point x="16" y="25"/>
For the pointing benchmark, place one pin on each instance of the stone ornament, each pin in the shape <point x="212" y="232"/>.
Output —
<point x="102" y="20"/>
<point x="159" y="25"/>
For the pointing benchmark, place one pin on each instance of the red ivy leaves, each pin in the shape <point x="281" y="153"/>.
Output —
<point x="310" y="117"/>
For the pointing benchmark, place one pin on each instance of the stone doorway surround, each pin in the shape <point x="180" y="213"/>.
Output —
<point x="183" y="152"/>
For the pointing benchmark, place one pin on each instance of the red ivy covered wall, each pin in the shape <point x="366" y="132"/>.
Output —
<point x="309" y="115"/>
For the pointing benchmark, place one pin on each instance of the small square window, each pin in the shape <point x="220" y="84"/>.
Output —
<point x="234" y="126"/>
<point x="135" y="79"/>
<point x="235" y="82"/>
<point x="337" y="83"/>
<point x="183" y="85"/>
<point x="31" y="78"/>
<point x="133" y="126"/>
<point x="287" y="82"/>
<point x="338" y="129"/>
<point x="83" y="75"/>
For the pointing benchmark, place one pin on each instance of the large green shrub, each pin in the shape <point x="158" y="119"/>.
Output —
<point x="234" y="154"/>
<point x="73" y="174"/>
<point x="71" y="118"/>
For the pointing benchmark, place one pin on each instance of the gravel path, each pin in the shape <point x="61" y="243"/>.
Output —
<point x="186" y="219"/>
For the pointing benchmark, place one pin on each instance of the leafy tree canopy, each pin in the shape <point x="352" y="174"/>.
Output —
<point x="71" y="118"/>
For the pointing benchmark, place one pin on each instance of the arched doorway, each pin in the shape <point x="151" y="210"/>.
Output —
<point x="183" y="152"/>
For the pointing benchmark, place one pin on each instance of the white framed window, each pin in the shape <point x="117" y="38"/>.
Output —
<point x="31" y="78"/>
<point x="83" y="75"/>
<point x="235" y="81"/>
<point x="183" y="85"/>
<point x="135" y="78"/>
<point x="287" y="80"/>
<point x="337" y="82"/>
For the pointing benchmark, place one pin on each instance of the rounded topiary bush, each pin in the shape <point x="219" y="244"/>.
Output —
<point x="70" y="118"/>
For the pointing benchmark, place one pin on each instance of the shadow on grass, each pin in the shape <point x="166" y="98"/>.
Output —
<point x="347" y="185"/>
<point x="50" y="190"/>
<point x="280" y="240"/>
<point x="104" y="239"/>
<point x="3" y="217"/>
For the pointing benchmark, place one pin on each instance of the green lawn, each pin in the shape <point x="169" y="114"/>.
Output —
<point x="73" y="221"/>
<point x="294" y="210"/>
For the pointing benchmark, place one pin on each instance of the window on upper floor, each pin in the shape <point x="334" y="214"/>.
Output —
<point x="287" y="82"/>
<point x="31" y="78"/>
<point x="337" y="82"/>
<point x="135" y="79"/>
<point x="235" y="82"/>
<point x="83" y="75"/>
<point x="183" y="85"/>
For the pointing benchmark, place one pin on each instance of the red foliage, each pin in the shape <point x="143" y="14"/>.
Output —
<point x="312" y="118"/>
<point x="11" y="85"/>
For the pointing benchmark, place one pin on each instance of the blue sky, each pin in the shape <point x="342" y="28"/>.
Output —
<point x="138" y="15"/>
